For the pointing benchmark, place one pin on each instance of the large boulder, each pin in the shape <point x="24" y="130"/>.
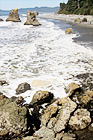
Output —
<point x="64" y="113"/>
<point x="31" y="19"/>
<point x="80" y="119"/>
<point x="13" y="16"/>
<point x="13" y="119"/>
<point x="56" y="115"/>
<point x="77" y="20"/>
<point x="23" y="87"/>
<point x="84" y="20"/>
<point x="68" y="31"/>
<point x="41" y="97"/>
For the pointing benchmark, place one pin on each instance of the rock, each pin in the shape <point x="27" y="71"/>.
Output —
<point x="56" y="115"/>
<point x="3" y="96"/>
<point x="59" y="136"/>
<point x="3" y="82"/>
<point x="48" y="113"/>
<point x="44" y="133"/>
<point x="84" y="134"/>
<point x="89" y="93"/>
<point x="41" y="97"/>
<point x="13" y="16"/>
<point x="1" y="19"/>
<point x="31" y="19"/>
<point x="18" y="100"/>
<point x="36" y="13"/>
<point x="90" y="128"/>
<point x="52" y="122"/>
<point x="68" y="31"/>
<point x="85" y="97"/>
<point x="84" y="20"/>
<point x="80" y="120"/>
<point x="72" y="88"/>
<point x="13" y="119"/>
<point x="23" y="87"/>
<point x="68" y="107"/>
<point x="77" y="20"/>
<point x="3" y="132"/>
<point x="68" y="136"/>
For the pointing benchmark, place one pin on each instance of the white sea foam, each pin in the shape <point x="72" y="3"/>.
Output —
<point x="44" y="53"/>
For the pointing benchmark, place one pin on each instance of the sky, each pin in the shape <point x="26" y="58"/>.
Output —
<point x="11" y="4"/>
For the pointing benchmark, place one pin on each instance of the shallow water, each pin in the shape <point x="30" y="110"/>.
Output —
<point x="44" y="55"/>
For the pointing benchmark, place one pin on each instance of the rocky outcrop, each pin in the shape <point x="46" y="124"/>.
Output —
<point x="41" y="97"/>
<point x="68" y="31"/>
<point x="80" y="120"/>
<point x="13" y="16"/>
<point x="77" y="20"/>
<point x="23" y="87"/>
<point x="31" y="19"/>
<point x="56" y="115"/>
<point x="64" y="113"/>
<point x="47" y="118"/>
<point x="1" y="19"/>
<point x="13" y="119"/>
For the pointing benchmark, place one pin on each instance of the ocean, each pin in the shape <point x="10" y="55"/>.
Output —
<point x="43" y="56"/>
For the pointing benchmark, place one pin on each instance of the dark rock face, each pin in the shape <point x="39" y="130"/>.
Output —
<point x="31" y="19"/>
<point x="13" y="16"/>
<point x="23" y="87"/>
<point x="1" y="19"/>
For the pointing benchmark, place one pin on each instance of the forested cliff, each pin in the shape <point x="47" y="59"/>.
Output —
<point x="83" y="7"/>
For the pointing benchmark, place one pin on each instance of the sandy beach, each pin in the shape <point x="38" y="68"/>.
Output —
<point x="70" y="18"/>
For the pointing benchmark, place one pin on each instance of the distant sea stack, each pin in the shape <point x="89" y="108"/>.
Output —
<point x="31" y="19"/>
<point x="1" y="19"/>
<point x="13" y="16"/>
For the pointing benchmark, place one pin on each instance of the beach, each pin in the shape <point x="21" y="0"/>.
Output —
<point x="46" y="79"/>
<point x="84" y="30"/>
<point x="70" y="18"/>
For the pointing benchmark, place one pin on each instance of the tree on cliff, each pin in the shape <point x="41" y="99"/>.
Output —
<point x="83" y="7"/>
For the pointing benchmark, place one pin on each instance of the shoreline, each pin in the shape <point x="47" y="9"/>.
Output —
<point x="85" y="29"/>
<point x="70" y="19"/>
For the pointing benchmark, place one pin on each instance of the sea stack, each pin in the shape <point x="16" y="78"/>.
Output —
<point x="13" y="16"/>
<point x="1" y="19"/>
<point x="31" y="19"/>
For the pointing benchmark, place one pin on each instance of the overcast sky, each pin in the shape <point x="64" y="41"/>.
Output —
<point x="11" y="4"/>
